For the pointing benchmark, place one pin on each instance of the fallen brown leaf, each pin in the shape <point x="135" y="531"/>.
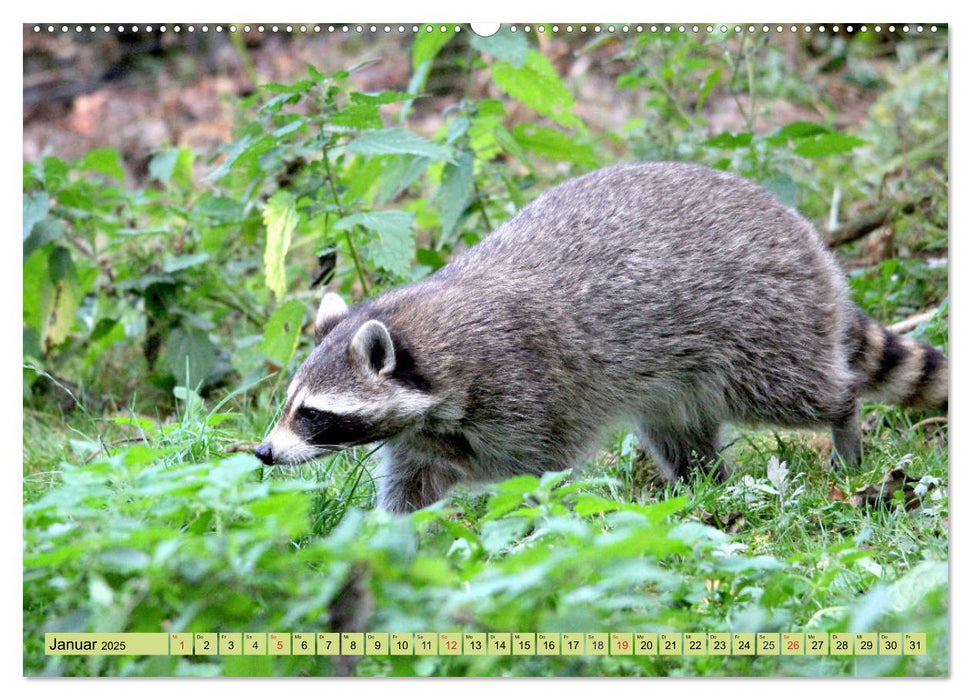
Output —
<point x="730" y="523"/>
<point x="835" y="494"/>
<point x="881" y="493"/>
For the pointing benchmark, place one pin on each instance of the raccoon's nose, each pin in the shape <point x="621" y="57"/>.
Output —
<point x="265" y="453"/>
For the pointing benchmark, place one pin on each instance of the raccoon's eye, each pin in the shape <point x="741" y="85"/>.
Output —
<point x="311" y="415"/>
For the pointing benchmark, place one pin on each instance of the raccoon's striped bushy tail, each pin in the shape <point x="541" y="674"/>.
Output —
<point x="897" y="368"/>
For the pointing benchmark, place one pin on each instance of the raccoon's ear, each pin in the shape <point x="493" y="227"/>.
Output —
<point x="372" y="350"/>
<point x="331" y="311"/>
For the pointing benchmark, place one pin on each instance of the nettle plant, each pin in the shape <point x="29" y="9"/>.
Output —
<point x="321" y="182"/>
<point x="349" y="177"/>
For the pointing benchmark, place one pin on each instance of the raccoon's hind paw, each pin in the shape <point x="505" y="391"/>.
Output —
<point x="847" y="443"/>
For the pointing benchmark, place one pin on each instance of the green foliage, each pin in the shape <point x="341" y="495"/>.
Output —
<point x="148" y="535"/>
<point x="282" y="333"/>
<point x="878" y="289"/>
<point x="427" y="44"/>
<point x="504" y="45"/>
<point x="536" y="84"/>
<point x="395" y="141"/>
<point x="190" y="356"/>
<point x="393" y="238"/>
<point x="280" y="217"/>
<point x="104" y="161"/>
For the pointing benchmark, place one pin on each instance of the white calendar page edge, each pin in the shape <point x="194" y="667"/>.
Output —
<point x="494" y="10"/>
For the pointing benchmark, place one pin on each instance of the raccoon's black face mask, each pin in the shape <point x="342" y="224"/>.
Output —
<point x="325" y="429"/>
<point x="357" y="387"/>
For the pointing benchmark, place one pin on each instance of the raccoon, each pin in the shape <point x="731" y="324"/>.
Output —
<point x="668" y="295"/>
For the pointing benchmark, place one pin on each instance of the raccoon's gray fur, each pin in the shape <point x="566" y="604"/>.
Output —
<point x="668" y="295"/>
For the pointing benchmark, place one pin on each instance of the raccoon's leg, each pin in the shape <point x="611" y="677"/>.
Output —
<point x="409" y="481"/>
<point x="847" y="443"/>
<point x="678" y="450"/>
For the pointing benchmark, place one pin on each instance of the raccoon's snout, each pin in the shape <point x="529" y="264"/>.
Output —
<point x="265" y="453"/>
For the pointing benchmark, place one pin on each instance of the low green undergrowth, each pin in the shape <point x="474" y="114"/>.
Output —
<point x="171" y="535"/>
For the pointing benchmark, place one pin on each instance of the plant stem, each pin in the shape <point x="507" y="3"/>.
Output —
<point x="671" y="98"/>
<point x="347" y="234"/>
<point x="357" y="263"/>
<point x="482" y="209"/>
<point x="237" y="306"/>
<point x="736" y="63"/>
<point x="244" y="57"/>
<point x="467" y="90"/>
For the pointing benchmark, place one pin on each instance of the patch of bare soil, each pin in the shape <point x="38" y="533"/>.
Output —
<point x="140" y="93"/>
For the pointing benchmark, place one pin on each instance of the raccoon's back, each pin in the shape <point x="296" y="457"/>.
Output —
<point x="650" y="222"/>
<point x="686" y="249"/>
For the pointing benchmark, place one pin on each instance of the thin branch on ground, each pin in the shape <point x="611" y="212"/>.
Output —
<point x="869" y="222"/>
<point x="911" y="322"/>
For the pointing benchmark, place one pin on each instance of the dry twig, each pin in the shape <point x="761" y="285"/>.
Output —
<point x="942" y="420"/>
<point x="911" y="322"/>
<point x="869" y="222"/>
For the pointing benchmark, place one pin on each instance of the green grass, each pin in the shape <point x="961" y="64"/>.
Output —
<point x="169" y="534"/>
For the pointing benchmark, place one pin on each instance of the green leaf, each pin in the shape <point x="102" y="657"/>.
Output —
<point x="247" y="146"/>
<point x="174" y="164"/>
<point x="400" y="173"/>
<point x="280" y="218"/>
<point x="221" y="210"/>
<point x="797" y="130"/>
<point x="358" y="116"/>
<point x="60" y="298"/>
<point x="783" y="187"/>
<point x="162" y="165"/>
<point x="536" y="85"/>
<point x="105" y="161"/>
<point x="553" y="145"/>
<point x="55" y="170"/>
<point x="44" y="231"/>
<point x="514" y="191"/>
<point x="914" y="587"/>
<point x="34" y="278"/>
<point x="381" y="98"/>
<point x="290" y="512"/>
<point x="663" y="509"/>
<point x="501" y="504"/>
<point x="36" y="206"/>
<point x="588" y="504"/>
<point x="455" y="193"/>
<point x="190" y="356"/>
<point x="281" y="335"/>
<point x="294" y="88"/>
<point x="522" y="484"/>
<point x="395" y="239"/>
<point x="396" y="141"/>
<point x="457" y="129"/>
<point x="504" y="45"/>
<point x="415" y="86"/>
<point x="288" y="128"/>
<point x="826" y="145"/>
<point x="124" y="560"/>
<point x="31" y="343"/>
<point x="710" y="82"/>
<point x="510" y="145"/>
<point x="427" y="44"/>
<point x="182" y="262"/>
<point x="182" y="174"/>
<point x="429" y="258"/>
<point x="728" y="140"/>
